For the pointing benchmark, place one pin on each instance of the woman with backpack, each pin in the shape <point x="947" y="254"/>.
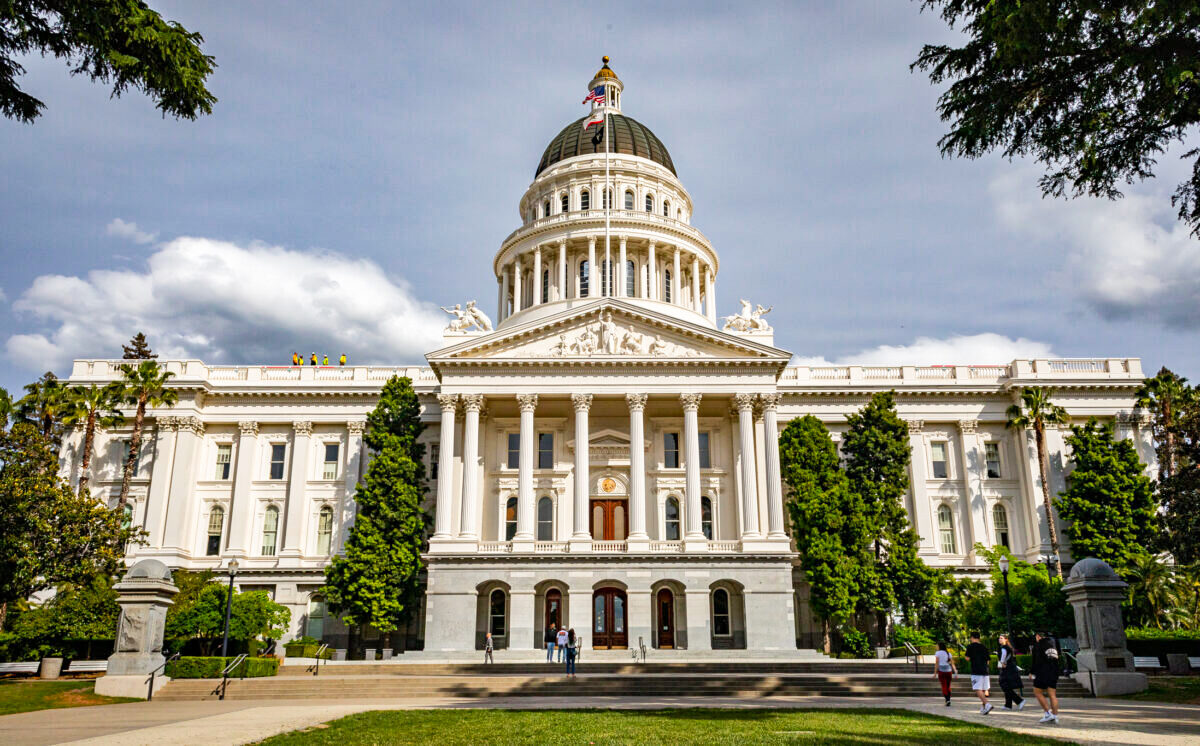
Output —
<point x="1010" y="675"/>
<point x="944" y="669"/>
<point x="572" y="645"/>
<point x="1045" y="675"/>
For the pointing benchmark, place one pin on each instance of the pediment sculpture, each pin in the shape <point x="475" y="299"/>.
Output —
<point x="606" y="337"/>
<point x="749" y="319"/>
<point x="466" y="318"/>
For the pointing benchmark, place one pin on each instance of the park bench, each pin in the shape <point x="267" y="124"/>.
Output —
<point x="1194" y="663"/>
<point x="1147" y="661"/>
<point x="24" y="667"/>
<point x="87" y="667"/>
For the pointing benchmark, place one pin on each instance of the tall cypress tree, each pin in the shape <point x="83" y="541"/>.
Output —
<point x="375" y="581"/>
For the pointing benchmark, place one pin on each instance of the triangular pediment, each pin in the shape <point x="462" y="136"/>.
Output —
<point x="608" y="330"/>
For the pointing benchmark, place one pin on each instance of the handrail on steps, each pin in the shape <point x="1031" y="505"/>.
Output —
<point x="316" y="667"/>
<point x="1077" y="668"/>
<point x="225" y="673"/>
<point x="913" y="653"/>
<point x="150" y="678"/>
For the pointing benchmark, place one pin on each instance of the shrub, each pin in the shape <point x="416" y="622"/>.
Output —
<point x="296" y="649"/>
<point x="1161" y="642"/>
<point x="916" y="637"/>
<point x="855" y="643"/>
<point x="199" y="667"/>
<point x="1150" y="633"/>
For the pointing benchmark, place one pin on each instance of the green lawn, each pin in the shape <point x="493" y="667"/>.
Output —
<point x="650" y="727"/>
<point x="1180" y="690"/>
<point x="21" y="695"/>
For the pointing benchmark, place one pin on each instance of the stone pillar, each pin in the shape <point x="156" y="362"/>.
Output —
<point x="181" y="509"/>
<point x="297" y="511"/>
<point x="520" y="619"/>
<point x="517" y="279"/>
<point x="652" y="274"/>
<point x="562" y="269"/>
<point x="770" y="619"/>
<point x="241" y="512"/>
<point x="920" y="499"/>
<point x="745" y="410"/>
<point x="675" y="281"/>
<point x="770" y="405"/>
<point x="537" y="276"/>
<point x="974" y="472"/>
<point x="525" y="508"/>
<point x="639" y="604"/>
<point x="579" y="613"/>
<point x="699" y="616"/>
<point x="469" y="525"/>
<point x="695" y="283"/>
<point x="143" y="595"/>
<point x="710" y="304"/>
<point x="694" y="538"/>
<point x="160" y="479"/>
<point x="1106" y="665"/>
<point x="593" y="291"/>
<point x="443" y="521"/>
<point x="353" y="469"/>
<point x="637" y="474"/>
<point x="503" y="313"/>
<point x="622" y="280"/>
<point x="581" y="539"/>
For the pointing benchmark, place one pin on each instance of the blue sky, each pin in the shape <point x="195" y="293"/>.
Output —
<point x="364" y="162"/>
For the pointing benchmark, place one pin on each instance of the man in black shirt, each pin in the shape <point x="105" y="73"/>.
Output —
<point x="980" y="680"/>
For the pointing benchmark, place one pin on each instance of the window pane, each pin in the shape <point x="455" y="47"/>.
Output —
<point x="671" y="450"/>
<point x="278" y="452"/>
<point x="938" y="451"/>
<point x="628" y="200"/>
<point x="705" y="457"/>
<point x="706" y="517"/>
<point x="214" y="546"/>
<point x="514" y="450"/>
<point x="545" y="451"/>
<point x="667" y="285"/>
<point x="619" y="523"/>
<point x="600" y="609"/>
<point x="618" y="614"/>
<point x="672" y="519"/>
<point x="324" y="530"/>
<point x="224" y="455"/>
<point x="510" y="518"/>
<point x="583" y="278"/>
<point x="435" y="456"/>
<point x="545" y="513"/>
<point x="566" y="203"/>
<point x="270" y="530"/>
<point x="216" y="519"/>
<point x="992" y="455"/>
<point x="585" y="201"/>
<point x="330" y="468"/>
<point x="630" y="277"/>
<point x="649" y="203"/>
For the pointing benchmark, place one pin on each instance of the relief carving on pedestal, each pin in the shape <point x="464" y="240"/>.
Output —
<point x="606" y="337"/>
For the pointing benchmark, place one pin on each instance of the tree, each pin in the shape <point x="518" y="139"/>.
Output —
<point x="1108" y="506"/>
<point x="83" y="613"/>
<point x="1165" y="397"/>
<point x="138" y="349"/>
<point x="252" y="614"/>
<point x="49" y="534"/>
<point x="6" y="408"/>
<point x="122" y="42"/>
<point x="145" y="386"/>
<point x="1035" y="412"/>
<point x="1093" y="90"/>
<point x="375" y="582"/>
<point x="91" y="406"/>
<point x="1151" y="592"/>
<point x="42" y="406"/>
<point x="1037" y="601"/>
<point x="826" y="525"/>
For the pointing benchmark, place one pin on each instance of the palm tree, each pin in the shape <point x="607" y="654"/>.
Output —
<point x="6" y="408"/>
<point x="1036" y="411"/>
<point x="145" y="386"/>
<point x="90" y="406"/>
<point x="42" y="406"/>
<point x="1165" y="396"/>
<point x="1152" y="589"/>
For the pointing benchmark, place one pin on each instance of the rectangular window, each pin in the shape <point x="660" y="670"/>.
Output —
<point x="514" y="451"/>
<point x="224" y="455"/>
<point x="435" y="455"/>
<point x="545" y="451"/>
<point x="938" y="451"/>
<point x="705" y="457"/>
<point x="330" y="469"/>
<point x="992" y="456"/>
<point x="278" y="454"/>
<point x="671" y="450"/>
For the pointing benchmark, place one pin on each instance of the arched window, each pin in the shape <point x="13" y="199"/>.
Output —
<point x="566" y="202"/>
<point x="545" y="285"/>
<point x="324" y="530"/>
<point x="629" y="199"/>
<point x="315" y="623"/>
<point x="706" y="517"/>
<point x="583" y="278"/>
<point x="606" y="278"/>
<point x="630" y="277"/>
<point x="671" y="513"/>
<point x="585" y="200"/>
<point x="545" y="514"/>
<point x="721" y="626"/>
<point x="666" y="208"/>
<point x="667" y="285"/>
<point x="1000" y="525"/>
<point x="496" y="620"/>
<point x="510" y="519"/>
<point x="649" y="203"/>
<point x="946" y="530"/>
<point x="216" y="522"/>
<point x="546" y="209"/>
<point x="270" y="531"/>
<point x="607" y="198"/>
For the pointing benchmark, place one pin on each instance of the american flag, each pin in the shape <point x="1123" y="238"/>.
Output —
<point x="596" y="94"/>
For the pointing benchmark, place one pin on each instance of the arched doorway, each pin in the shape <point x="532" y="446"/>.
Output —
<point x="665" y="618"/>
<point x="609" y="619"/>
<point x="553" y="614"/>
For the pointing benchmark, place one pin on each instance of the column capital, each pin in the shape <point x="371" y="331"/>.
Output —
<point x="915" y="427"/>
<point x="248" y="428"/>
<point x="653" y="244"/>
<point x="582" y="402"/>
<point x="591" y="242"/>
<point x="623" y="239"/>
<point x="770" y="402"/>
<point x="191" y="423"/>
<point x="743" y="402"/>
<point x="472" y="402"/>
<point x="562" y="243"/>
<point x="637" y="402"/>
<point x="968" y="427"/>
<point x="690" y="402"/>
<point x="356" y="427"/>
<point x="527" y="402"/>
<point x="302" y="427"/>
<point x="447" y="401"/>
<point x="171" y="424"/>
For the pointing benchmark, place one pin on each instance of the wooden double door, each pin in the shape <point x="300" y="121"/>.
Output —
<point x="665" y="601"/>
<point x="609" y="519"/>
<point x="610" y="622"/>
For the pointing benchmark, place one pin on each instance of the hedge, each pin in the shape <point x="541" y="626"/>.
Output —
<point x="197" y="667"/>
<point x="306" y="650"/>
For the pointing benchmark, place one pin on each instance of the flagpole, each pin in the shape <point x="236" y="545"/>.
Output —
<point x="607" y="273"/>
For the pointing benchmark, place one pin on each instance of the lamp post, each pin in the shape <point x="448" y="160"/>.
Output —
<point x="233" y="568"/>
<point x="1007" y="607"/>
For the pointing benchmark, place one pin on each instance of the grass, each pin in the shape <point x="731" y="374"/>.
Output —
<point x="1181" y="690"/>
<point x="444" y="727"/>
<point x="27" y="696"/>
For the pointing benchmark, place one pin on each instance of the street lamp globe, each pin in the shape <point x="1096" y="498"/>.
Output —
<point x="233" y="567"/>
<point x="1004" y="564"/>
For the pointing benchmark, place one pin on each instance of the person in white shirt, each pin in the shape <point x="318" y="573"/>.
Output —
<point x="944" y="669"/>
<point x="561" y="642"/>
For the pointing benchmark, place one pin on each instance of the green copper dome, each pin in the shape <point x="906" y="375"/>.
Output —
<point x="628" y="137"/>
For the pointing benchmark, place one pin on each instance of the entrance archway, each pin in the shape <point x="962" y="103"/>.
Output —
<point x="553" y="615"/>
<point x="610" y="623"/>
<point x="665" y="618"/>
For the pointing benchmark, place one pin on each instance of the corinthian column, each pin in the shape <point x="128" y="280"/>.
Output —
<point x="691" y="444"/>
<point x="582" y="402"/>
<point x="294" y="531"/>
<point x="562" y="269"/>
<point x="469" y="525"/>
<point x="592" y="273"/>
<point x="637" y="469"/>
<point x="621" y="279"/>
<point x="676" y="281"/>
<point x="517" y="285"/>
<point x="745" y="410"/>
<point x="537" y="277"/>
<point x="770" y="403"/>
<point x="242" y="510"/>
<point x="443" y="522"/>
<point x="652" y="274"/>
<point x="528" y="403"/>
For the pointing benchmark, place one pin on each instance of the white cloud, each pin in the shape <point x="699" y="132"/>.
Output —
<point x="973" y="349"/>
<point x="1127" y="259"/>
<point x="130" y="231"/>
<point x="221" y="302"/>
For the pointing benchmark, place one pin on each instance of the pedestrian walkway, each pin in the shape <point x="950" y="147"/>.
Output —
<point x="1098" y="721"/>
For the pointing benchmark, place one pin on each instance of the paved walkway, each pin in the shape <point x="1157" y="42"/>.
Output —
<point x="216" y="723"/>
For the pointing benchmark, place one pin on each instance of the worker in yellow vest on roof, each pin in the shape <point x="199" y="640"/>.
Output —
<point x="342" y="359"/>
<point x="325" y="360"/>
<point x="313" y="360"/>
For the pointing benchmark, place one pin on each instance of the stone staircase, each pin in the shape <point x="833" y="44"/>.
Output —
<point x="746" y="680"/>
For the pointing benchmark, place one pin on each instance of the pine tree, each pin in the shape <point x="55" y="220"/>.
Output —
<point x="375" y="581"/>
<point x="1108" y="505"/>
<point x="138" y="349"/>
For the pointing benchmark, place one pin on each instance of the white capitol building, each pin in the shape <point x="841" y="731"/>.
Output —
<point x="605" y="457"/>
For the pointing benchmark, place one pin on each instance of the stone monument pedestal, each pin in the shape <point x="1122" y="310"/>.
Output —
<point x="1105" y="664"/>
<point x="144" y="595"/>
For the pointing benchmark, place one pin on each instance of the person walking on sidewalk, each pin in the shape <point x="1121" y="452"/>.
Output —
<point x="1045" y="675"/>
<point x="550" y="638"/>
<point x="487" y="649"/>
<point x="1010" y="676"/>
<point x="981" y="681"/>
<point x="944" y="669"/>
<point x="561" y="642"/>
<point x="572" y="646"/>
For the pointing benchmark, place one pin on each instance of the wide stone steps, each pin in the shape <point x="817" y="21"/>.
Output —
<point x="591" y="667"/>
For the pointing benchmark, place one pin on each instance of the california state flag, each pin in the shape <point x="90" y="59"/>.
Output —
<point x="597" y="117"/>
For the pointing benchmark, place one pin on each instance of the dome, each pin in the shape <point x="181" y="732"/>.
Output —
<point x="628" y="137"/>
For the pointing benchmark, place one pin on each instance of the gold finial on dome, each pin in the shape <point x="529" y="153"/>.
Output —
<point x="605" y="59"/>
<point x="605" y="71"/>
